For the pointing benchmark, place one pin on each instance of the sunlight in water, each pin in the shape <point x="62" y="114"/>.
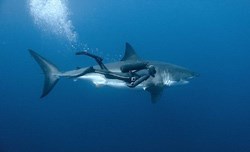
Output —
<point x="53" y="16"/>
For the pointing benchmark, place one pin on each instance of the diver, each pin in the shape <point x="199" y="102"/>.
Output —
<point x="133" y="74"/>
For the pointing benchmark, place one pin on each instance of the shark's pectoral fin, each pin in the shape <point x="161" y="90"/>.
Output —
<point x="155" y="92"/>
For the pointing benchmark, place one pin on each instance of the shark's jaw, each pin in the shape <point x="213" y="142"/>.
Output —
<point x="168" y="80"/>
<point x="173" y="83"/>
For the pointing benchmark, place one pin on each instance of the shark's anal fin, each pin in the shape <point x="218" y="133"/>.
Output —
<point x="155" y="92"/>
<point x="130" y="53"/>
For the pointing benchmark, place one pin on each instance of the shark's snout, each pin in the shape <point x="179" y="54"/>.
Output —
<point x="193" y="75"/>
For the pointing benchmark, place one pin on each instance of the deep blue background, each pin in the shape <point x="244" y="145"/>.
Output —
<point x="212" y="113"/>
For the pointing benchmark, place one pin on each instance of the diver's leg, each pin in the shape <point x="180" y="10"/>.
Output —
<point x="126" y="77"/>
<point x="108" y="74"/>
<point x="97" y="58"/>
<point x="89" y="54"/>
<point x="86" y="71"/>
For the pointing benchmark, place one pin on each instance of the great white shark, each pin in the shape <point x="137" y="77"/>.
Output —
<point x="166" y="74"/>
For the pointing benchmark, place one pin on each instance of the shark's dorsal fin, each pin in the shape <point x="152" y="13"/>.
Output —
<point x="155" y="92"/>
<point x="130" y="53"/>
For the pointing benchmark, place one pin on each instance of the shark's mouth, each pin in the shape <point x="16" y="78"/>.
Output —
<point x="169" y="81"/>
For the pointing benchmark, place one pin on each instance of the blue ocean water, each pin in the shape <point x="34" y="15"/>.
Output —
<point x="211" y="113"/>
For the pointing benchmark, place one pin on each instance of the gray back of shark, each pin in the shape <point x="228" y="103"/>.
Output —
<point x="166" y="74"/>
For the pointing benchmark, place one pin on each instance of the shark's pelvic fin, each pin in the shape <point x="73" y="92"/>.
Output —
<point x="130" y="53"/>
<point x="51" y="73"/>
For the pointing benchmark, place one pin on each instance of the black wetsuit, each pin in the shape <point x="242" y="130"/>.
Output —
<point x="133" y="74"/>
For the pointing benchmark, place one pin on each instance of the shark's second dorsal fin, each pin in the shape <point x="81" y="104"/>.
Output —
<point x="130" y="53"/>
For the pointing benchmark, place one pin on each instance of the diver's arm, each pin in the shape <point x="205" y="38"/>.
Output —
<point x="140" y="76"/>
<point x="138" y="81"/>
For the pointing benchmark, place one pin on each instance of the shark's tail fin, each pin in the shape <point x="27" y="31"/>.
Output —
<point x="51" y="73"/>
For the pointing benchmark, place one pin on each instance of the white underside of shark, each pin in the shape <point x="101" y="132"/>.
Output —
<point x="100" y="80"/>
